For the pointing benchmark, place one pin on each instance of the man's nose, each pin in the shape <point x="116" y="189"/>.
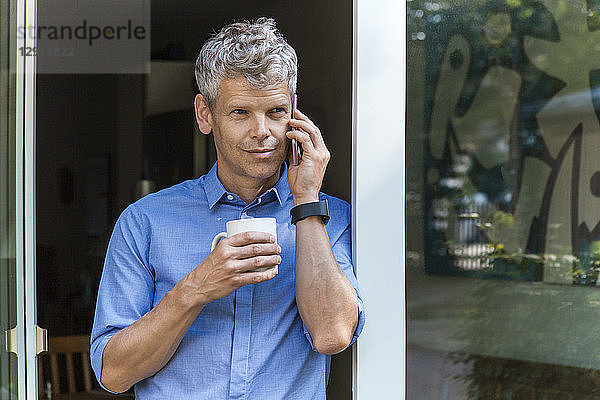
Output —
<point x="260" y="129"/>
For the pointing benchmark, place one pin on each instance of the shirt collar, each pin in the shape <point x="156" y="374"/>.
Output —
<point x="214" y="189"/>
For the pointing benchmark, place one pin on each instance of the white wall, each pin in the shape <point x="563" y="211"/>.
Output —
<point x="380" y="38"/>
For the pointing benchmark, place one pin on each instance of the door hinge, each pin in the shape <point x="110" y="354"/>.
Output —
<point x="10" y="338"/>
<point x="41" y="340"/>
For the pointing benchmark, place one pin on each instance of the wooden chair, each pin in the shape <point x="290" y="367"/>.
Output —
<point x="70" y="371"/>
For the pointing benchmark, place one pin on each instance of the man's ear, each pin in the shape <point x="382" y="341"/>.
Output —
<point x="203" y="115"/>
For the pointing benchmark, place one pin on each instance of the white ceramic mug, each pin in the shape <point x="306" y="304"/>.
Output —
<point x="268" y="225"/>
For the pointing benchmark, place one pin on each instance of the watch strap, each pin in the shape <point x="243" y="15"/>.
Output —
<point x="305" y="210"/>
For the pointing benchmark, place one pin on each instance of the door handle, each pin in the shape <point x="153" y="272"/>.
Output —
<point x="41" y="340"/>
<point x="10" y="338"/>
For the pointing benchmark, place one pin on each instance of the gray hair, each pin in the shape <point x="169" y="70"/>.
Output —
<point x="255" y="50"/>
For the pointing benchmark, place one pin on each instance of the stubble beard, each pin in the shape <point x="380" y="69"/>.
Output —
<point x="242" y="163"/>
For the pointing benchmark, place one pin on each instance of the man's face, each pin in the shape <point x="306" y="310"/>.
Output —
<point x="249" y="127"/>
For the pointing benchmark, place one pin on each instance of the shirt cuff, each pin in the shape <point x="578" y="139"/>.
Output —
<point x="361" y="322"/>
<point x="357" y="331"/>
<point x="97" y="352"/>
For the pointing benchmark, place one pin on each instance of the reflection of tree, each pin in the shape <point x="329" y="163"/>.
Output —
<point x="573" y="59"/>
<point x="537" y="49"/>
<point x="495" y="35"/>
<point x="495" y="32"/>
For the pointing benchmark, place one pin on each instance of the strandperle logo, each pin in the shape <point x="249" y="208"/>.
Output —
<point x="88" y="37"/>
<point x="84" y="31"/>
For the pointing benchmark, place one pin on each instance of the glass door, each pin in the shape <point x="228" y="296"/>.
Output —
<point x="106" y="137"/>
<point x="10" y="365"/>
<point x="502" y="201"/>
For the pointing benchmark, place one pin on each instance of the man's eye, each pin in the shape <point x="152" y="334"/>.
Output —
<point x="278" y="110"/>
<point x="239" y="112"/>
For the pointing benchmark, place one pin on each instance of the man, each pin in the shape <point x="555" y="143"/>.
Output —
<point x="252" y="319"/>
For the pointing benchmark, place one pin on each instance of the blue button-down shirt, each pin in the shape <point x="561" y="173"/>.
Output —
<point x="251" y="344"/>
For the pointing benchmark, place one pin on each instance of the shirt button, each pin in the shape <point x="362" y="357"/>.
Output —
<point x="229" y="197"/>
<point x="259" y="199"/>
<point x="244" y="215"/>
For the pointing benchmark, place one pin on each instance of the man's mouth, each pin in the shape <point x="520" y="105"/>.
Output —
<point x="261" y="152"/>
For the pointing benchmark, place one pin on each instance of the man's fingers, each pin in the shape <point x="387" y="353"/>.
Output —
<point x="299" y="115"/>
<point x="257" y="249"/>
<point x="303" y="138"/>
<point x="305" y="126"/>
<point x="245" y="238"/>
<point x="313" y="132"/>
<point x="303" y="122"/>
<point x="254" y="263"/>
<point x="256" y="276"/>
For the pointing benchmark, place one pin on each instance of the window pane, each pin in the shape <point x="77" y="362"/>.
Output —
<point x="503" y="209"/>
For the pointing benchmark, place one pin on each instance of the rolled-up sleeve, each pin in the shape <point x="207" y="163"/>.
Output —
<point x="127" y="285"/>
<point x="342" y="251"/>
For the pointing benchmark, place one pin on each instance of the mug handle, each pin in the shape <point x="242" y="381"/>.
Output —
<point x="216" y="240"/>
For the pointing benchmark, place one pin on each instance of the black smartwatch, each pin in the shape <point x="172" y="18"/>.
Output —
<point x="309" y="209"/>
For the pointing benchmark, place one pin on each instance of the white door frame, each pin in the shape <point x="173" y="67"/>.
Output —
<point x="25" y="205"/>
<point x="379" y="54"/>
<point x="378" y="196"/>
<point x="20" y="326"/>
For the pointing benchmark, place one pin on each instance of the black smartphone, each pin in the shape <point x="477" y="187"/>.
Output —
<point x="294" y="146"/>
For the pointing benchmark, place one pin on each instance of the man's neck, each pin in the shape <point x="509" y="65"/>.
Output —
<point x="248" y="189"/>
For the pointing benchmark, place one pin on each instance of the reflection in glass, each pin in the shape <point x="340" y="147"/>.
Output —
<point x="503" y="180"/>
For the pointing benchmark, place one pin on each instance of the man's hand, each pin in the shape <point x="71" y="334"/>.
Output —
<point x="144" y="347"/>
<point x="233" y="263"/>
<point x="306" y="178"/>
